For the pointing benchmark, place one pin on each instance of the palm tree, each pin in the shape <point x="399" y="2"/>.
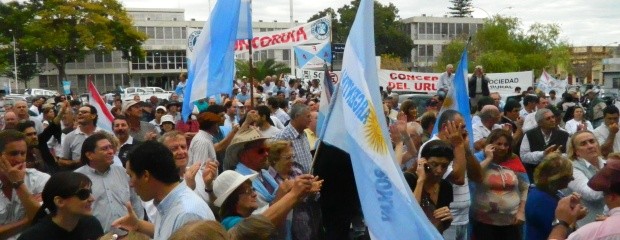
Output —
<point x="262" y="69"/>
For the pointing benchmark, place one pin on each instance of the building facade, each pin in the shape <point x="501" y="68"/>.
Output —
<point x="587" y="64"/>
<point x="431" y="35"/>
<point x="165" y="55"/>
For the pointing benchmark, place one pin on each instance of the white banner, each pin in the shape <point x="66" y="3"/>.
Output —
<point x="317" y="31"/>
<point x="192" y="36"/>
<point x="313" y="74"/>
<point x="547" y="83"/>
<point x="402" y="81"/>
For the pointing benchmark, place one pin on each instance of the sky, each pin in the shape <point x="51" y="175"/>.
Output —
<point x="583" y="22"/>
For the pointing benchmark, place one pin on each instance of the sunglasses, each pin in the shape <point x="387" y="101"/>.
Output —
<point x="83" y="194"/>
<point x="248" y="191"/>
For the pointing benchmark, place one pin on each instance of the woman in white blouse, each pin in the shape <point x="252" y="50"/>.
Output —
<point x="578" y="122"/>
<point x="584" y="151"/>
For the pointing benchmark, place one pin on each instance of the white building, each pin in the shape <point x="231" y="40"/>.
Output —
<point x="164" y="61"/>
<point x="430" y="35"/>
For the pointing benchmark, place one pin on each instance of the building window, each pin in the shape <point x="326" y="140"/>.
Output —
<point x="615" y="83"/>
<point x="286" y="54"/>
<point x="422" y="28"/>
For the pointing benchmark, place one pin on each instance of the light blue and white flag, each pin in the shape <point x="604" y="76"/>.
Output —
<point x="457" y="98"/>
<point x="211" y="68"/>
<point x="313" y="56"/>
<point x="357" y="125"/>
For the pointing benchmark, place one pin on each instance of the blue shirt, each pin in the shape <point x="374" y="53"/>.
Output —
<point x="539" y="214"/>
<point x="180" y="206"/>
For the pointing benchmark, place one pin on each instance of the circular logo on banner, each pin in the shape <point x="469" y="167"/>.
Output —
<point x="191" y="40"/>
<point x="334" y="77"/>
<point x="320" y="29"/>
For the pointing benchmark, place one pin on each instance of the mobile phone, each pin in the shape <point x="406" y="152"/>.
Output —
<point x="427" y="168"/>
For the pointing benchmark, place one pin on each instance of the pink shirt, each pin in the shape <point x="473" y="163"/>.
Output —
<point x="608" y="229"/>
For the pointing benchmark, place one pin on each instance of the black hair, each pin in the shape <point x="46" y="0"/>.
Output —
<point x="61" y="184"/>
<point x="552" y="92"/>
<point x="228" y="104"/>
<point x="511" y="105"/>
<point x="9" y="136"/>
<point x="23" y="125"/>
<point x="264" y="111"/>
<point x="93" y="111"/>
<point x="89" y="145"/>
<point x="437" y="148"/>
<point x="483" y="101"/>
<point x="273" y="102"/>
<point x="530" y="99"/>
<point x="216" y="108"/>
<point x="283" y="103"/>
<point x="427" y="120"/>
<point x="155" y="158"/>
<point x="611" y="109"/>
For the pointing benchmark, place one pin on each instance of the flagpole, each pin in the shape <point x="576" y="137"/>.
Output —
<point x="250" y="72"/>
<point x="332" y="102"/>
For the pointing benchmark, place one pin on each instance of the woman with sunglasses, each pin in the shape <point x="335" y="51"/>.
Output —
<point x="429" y="188"/>
<point x="304" y="221"/>
<point x="66" y="211"/>
<point x="551" y="175"/>
<point x="499" y="200"/>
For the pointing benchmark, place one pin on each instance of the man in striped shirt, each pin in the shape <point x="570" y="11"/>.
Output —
<point x="294" y="132"/>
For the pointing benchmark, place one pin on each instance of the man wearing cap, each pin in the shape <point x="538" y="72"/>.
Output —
<point x="478" y="85"/>
<point x="594" y="112"/>
<point x="201" y="148"/>
<point x="294" y="132"/>
<point x="607" y="180"/>
<point x="446" y="79"/>
<point x="139" y="130"/>
<point x="247" y="154"/>
<point x="72" y="143"/>
<point x="154" y="176"/>
<point x="160" y="111"/>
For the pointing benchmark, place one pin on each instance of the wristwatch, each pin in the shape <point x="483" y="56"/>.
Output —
<point x="561" y="222"/>
<point x="17" y="184"/>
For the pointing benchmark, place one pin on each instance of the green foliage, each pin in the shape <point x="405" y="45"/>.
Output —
<point x="66" y="31"/>
<point x="502" y="46"/>
<point x="389" y="36"/>
<point x="461" y="8"/>
<point x="262" y="69"/>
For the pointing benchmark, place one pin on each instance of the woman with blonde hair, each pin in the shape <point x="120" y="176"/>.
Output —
<point x="552" y="175"/>
<point x="584" y="151"/>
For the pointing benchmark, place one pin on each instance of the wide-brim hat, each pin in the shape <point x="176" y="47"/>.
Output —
<point x="226" y="183"/>
<point x="166" y="118"/>
<point x="237" y="144"/>
<point x="128" y="104"/>
<point x="607" y="179"/>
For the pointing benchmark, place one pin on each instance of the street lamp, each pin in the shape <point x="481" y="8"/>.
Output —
<point x="14" y="61"/>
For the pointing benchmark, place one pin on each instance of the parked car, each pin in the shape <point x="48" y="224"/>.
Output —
<point x="144" y="93"/>
<point x="41" y="92"/>
<point x="419" y="99"/>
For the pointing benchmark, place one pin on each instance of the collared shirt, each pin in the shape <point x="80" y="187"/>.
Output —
<point x="270" y="132"/>
<point x="145" y="128"/>
<point x="243" y="97"/>
<point x="111" y="191"/>
<point x="481" y="131"/>
<point x="445" y="81"/>
<point x="527" y="156"/>
<point x="12" y="210"/>
<point x="312" y="138"/>
<point x="593" y="200"/>
<point x="230" y="122"/>
<point x="276" y="122"/>
<point x="602" y="132"/>
<point x="201" y="148"/>
<point x="180" y="206"/>
<point x="600" y="230"/>
<point x="572" y="125"/>
<point x="72" y="144"/>
<point x="523" y="113"/>
<point x="301" y="146"/>
<point x="282" y="116"/>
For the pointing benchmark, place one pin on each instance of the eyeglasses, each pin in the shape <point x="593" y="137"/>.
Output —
<point x="434" y="165"/>
<point x="248" y="191"/>
<point x="83" y="193"/>
<point x="288" y="157"/>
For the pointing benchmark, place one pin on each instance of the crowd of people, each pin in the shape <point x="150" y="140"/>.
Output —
<point x="248" y="165"/>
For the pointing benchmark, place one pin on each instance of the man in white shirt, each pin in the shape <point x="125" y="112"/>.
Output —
<point x="529" y="105"/>
<point x="607" y="133"/>
<point x="489" y="117"/>
<point x="446" y="79"/>
<point x="530" y="120"/>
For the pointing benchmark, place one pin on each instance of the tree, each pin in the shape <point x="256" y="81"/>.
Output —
<point x="14" y="16"/>
<point x="66" y="31"/>
<point x="262" y="69"/>
<point x="502" y="46"/>
<point x="389" y="35"/>
<point x="461" y="8"/>
<point x="391" y="62"/>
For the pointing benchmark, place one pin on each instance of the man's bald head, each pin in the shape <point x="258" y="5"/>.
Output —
<point x="489" y="112"/>
<point x="21" y="109"/>
<point x="10" y="120"/>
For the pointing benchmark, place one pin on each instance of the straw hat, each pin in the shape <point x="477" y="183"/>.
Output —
<point x="237" y="144"/>
<point x="128" y="104"/>
<point x="226" y="183"/>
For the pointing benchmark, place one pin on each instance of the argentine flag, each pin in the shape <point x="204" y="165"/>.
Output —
<point x="356" y="124"/>
<point x="211" y="68"/>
